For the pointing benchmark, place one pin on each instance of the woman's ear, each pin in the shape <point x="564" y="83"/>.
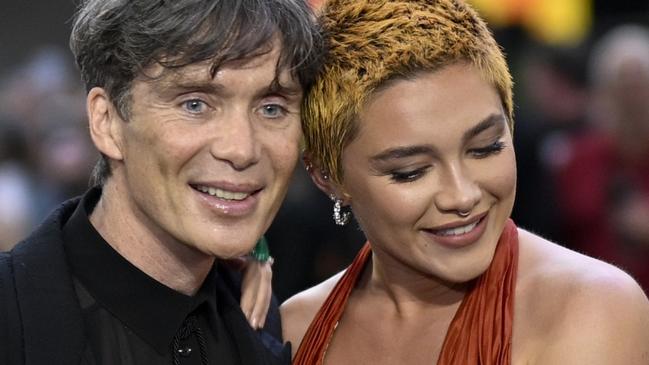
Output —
<point x="104" y="123"/>
<point x="319" y="177"/>
<point x="322" y="180"/>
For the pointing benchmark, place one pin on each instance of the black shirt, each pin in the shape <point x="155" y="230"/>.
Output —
<point x="129" y="317"/>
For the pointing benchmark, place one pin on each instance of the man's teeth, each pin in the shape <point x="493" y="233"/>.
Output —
<point x="223" y="194"/>
<point x="458" y="230"/>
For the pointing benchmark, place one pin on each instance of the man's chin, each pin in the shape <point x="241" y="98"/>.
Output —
<point x="229" y="249"/>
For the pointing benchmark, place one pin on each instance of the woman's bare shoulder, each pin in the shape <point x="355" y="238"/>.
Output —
<point x="542" y="260"/>
<point x="548" y="266"/>
<point x="298" y="311"/>
<point x="576" y="302"/>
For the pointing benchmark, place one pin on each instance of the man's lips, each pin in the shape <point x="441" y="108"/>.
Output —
<point x="228" y="200"/>
<point x="222" y="194"/>
<point x="227" y="191"/>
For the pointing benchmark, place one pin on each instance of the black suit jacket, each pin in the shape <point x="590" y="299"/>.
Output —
<point x="40" y="317"/>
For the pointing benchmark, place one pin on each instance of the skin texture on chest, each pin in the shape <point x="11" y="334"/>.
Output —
<point x="372" y="330"/>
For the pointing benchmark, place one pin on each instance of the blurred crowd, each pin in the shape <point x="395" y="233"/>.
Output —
<point x="581" y="136"/>
<point x="582" y="144"/>
<point x="45" y="151"/>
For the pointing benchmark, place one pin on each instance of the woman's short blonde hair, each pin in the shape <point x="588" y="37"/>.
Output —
<point x="370" y="43"/>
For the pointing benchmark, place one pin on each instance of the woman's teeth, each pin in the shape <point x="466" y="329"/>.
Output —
<point x="457" y="230"/>
<point x="222" y="194"/>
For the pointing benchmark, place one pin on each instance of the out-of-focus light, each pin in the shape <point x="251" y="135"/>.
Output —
<point x="559" y="22"/>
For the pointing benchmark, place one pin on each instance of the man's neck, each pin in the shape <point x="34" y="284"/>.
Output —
<point x="146" y="246"/>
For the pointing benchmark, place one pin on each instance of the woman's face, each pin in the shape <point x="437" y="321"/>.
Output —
<point x="431" y="149"/>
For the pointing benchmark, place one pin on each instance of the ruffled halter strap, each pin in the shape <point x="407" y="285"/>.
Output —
<point x="480" y="333"/>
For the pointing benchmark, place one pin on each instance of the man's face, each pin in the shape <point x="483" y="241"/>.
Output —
<point x="206" y="161"/>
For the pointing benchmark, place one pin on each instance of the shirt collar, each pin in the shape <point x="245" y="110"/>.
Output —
<point x="152" y="310"/>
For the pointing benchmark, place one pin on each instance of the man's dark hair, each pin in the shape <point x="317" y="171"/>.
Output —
<point x="114" y="41"/>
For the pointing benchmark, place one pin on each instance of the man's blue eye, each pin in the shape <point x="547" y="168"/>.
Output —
<point x="194" y="106"/>
<point x="273" y="111"/>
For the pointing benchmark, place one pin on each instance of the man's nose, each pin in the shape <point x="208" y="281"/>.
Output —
<point x="237" y="142"/>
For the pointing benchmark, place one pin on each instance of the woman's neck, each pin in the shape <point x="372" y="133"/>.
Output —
<point x="409" y="291"/>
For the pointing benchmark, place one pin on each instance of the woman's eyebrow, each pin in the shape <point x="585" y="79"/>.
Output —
<point x="491" y="121"/>
<point x="402" y="152"/>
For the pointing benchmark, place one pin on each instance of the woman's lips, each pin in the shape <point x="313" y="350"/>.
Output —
<point x="459" y="235"/>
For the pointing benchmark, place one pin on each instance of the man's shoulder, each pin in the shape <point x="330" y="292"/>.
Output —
<point x="10" y="326"/>
<point x="7" y="289"/>
<point x="42" y="250"/>
<point x="6" y="273"/>
<point x="51" y="225"/>
<point x="44" y="294"/>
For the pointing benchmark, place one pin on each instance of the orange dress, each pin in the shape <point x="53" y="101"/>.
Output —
<point x="480" y="333"/>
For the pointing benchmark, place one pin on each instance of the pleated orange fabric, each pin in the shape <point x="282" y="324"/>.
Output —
<point x="480" y="333"/>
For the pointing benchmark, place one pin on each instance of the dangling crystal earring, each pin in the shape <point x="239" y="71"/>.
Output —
<point x="340" y="218"/>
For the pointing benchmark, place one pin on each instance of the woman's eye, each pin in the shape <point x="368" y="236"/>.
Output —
<point x="407" y="176"/>
<point x="489" y="150"/>
<point x="273" y="111"/>
<point x="195" y="106"/>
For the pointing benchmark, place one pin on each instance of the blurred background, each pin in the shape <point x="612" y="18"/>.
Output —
<point x="581" y="69"/>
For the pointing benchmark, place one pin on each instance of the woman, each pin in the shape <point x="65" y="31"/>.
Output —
<point x="410" y="125"/>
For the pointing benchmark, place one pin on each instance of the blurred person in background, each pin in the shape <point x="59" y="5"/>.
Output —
<point x="552" y="104"/>
<point x="603" y="182"/>
<point x="50" y="135"/>
<point x="16" y="185"/>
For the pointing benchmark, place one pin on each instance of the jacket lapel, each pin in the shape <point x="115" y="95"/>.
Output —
<point x="49" y="309"/>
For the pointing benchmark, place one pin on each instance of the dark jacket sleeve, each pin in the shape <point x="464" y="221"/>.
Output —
<point x="11" y="350"/>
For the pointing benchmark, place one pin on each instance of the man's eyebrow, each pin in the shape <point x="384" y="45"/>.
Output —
<point x="492" y="120"/>
<point x="402" y="152"/>
<point x="290" y="89"/>
<point x="210" y="87"/>
<point x="188" y="86"/>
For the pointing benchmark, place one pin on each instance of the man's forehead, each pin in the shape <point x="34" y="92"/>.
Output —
<point x="208" y="72"/>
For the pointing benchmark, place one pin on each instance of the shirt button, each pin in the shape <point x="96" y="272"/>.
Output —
<point x="185" y="351"/>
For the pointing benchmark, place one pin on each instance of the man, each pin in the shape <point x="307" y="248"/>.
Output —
<point x="194" y="106"/>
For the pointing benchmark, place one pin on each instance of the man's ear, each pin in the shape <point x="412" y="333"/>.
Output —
<point x="104" y="123"/>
